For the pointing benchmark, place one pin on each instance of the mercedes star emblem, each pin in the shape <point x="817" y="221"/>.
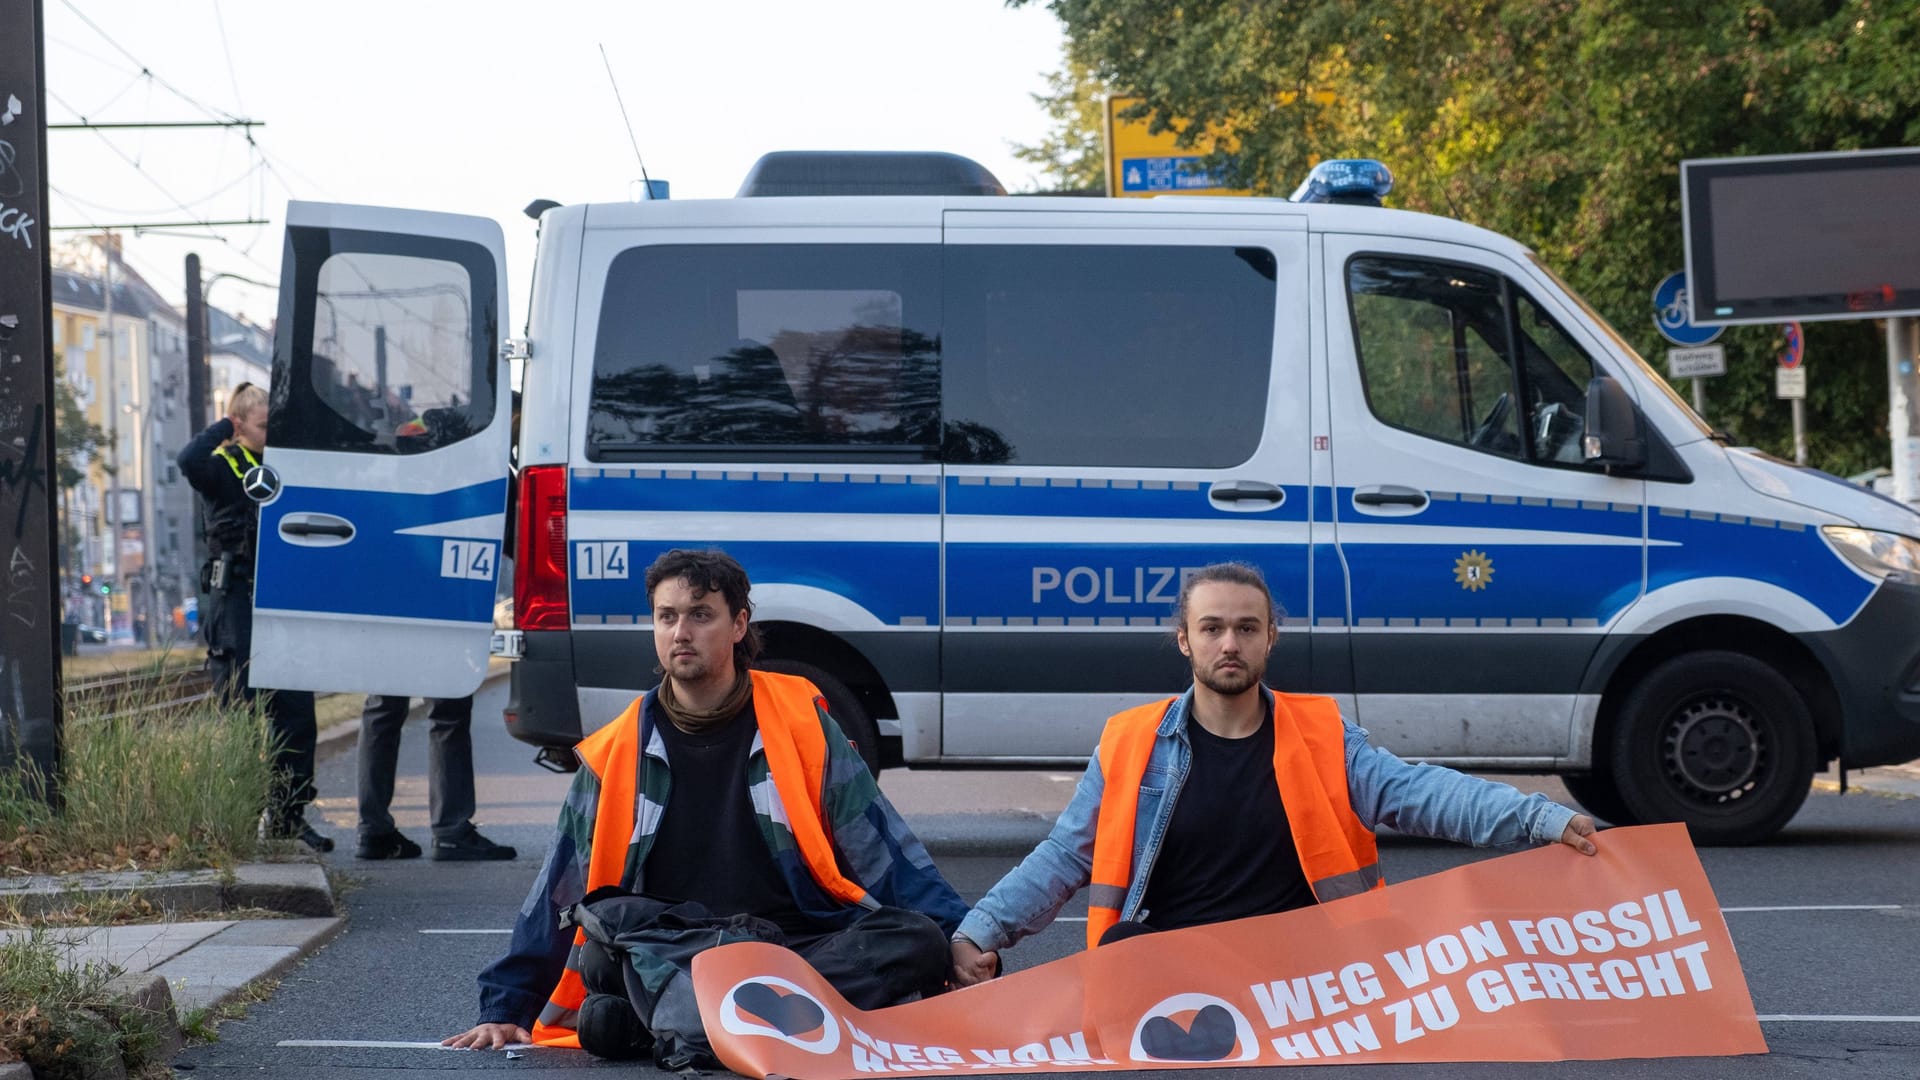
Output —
<point x="261" y="483"/>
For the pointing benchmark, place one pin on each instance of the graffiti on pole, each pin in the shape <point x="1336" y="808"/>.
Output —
<point x="29" y="604"/>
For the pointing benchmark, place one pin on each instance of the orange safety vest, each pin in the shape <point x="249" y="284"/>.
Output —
<point x="1337" y="851"/>
<point x="787" y="709"/>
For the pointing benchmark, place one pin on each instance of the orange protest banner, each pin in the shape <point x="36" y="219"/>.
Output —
<point x="1546" y="955"/>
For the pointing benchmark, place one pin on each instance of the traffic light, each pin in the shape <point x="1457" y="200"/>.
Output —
<point x="106" y="588"/>
<point x="86" y="579"/>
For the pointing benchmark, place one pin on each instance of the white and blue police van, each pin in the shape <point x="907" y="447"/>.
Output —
<point x="967" y="445"/>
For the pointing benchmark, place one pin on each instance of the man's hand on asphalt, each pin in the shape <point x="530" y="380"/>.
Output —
<point x="488" y="1037"/>
<point x="971" y="965"/>
<point x="1576" y="835"/>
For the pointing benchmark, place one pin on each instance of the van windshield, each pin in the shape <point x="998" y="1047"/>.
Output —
<point x="1653" y="378"/>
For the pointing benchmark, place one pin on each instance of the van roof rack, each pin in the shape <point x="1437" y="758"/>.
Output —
<point x="867" y="172"/>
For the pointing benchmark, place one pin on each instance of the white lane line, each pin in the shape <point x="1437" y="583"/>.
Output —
<point x="466" y="931"/>
<point x="380" y="1044"/>
<point x="1798" y="1017"/>
<point x="1071" y="918"/>
<point x="1820" y="907"/>
<point x="1785" y="1018"/>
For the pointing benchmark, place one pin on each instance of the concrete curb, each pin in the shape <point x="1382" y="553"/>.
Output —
<point x="1895" y="781"/>
<point x="297" y="888"/>
<point x="209" y="964"/>
<point x="217" y="970"/>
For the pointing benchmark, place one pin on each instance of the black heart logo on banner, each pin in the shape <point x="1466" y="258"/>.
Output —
<point x="793" y="1014"/>
<point x="1210" y="1038"/>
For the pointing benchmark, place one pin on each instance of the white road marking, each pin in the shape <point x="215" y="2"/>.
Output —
<point x="466" y="931"/>
<point x="1820" y="907"/>
<point x="381" y="1044"/>
<point x="1784" y="1018"/>
<point x="1071" y="918"/>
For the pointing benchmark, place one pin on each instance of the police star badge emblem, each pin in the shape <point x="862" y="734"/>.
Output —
<point x="1473" y="570"/>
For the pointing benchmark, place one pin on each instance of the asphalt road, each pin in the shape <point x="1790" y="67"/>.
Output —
<point x="397" y="976"/>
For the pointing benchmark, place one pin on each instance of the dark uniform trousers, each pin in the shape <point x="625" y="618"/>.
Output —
<point x="449" y="764"/>
<point x="290" y="718"/>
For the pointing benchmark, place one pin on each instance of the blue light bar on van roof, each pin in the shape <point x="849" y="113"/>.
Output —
<point x="1353" y="181"/>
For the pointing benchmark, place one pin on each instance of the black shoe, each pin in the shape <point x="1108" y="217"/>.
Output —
<point x="470" y="846"/>
<point x="386" y="846"/>
<point x="313" y="838"/>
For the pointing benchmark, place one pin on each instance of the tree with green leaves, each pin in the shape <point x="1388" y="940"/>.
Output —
<point x="1558" y="122"/>
<point x="1072" y="157"/>
<point x="77" y="440"/>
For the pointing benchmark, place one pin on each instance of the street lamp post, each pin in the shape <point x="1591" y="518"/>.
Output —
<point x="158" y="408"/>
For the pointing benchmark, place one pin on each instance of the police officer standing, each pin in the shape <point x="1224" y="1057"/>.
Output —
<point x="216" y="463"/>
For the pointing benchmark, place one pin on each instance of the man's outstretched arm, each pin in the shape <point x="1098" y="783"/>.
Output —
<point x="514" y="988"/>
<point x="1438" y="802"/>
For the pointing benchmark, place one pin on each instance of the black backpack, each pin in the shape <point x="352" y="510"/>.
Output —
<point x="637" y="965"/>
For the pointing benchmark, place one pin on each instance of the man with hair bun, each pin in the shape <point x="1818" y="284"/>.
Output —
<point x="1233" y="800"/>
<point x="723" y="805"/>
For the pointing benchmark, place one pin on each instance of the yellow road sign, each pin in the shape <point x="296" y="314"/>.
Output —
<point x="1141" y="163"/>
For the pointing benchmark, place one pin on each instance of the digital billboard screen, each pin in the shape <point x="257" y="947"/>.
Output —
<point x="1803" y="236"/>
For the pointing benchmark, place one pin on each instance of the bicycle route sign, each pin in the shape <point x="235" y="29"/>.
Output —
<point x="1674" y="318"/>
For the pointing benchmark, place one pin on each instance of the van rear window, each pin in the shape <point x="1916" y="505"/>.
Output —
<point x="774" y="349"/>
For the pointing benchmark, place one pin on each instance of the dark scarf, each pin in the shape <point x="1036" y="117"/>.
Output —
<point x="701" y="721"/>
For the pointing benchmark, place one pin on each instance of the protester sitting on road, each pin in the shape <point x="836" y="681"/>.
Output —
<point x="217" y="463"/>
<point x="757" y="819"/>
<point x="450" y="796"/>
<point x="1233" y="800"/>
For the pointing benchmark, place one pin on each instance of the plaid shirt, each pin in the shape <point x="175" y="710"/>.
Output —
<point x="874" y="845"/>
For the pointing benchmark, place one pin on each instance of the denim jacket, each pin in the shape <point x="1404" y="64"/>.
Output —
<point x="1419" y="800"/>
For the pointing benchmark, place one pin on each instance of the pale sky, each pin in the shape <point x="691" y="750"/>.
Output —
<point x="482" y="106"/>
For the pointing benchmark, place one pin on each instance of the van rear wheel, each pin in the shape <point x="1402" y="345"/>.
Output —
<point x="841" y="702"/>
<point x="1719" y="741"/>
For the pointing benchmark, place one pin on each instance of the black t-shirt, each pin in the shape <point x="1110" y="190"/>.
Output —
<point x="709" y="846"/>
<point x="1228" y="852"/>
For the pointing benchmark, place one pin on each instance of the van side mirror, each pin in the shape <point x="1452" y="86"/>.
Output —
<point x="1613" y="435"/>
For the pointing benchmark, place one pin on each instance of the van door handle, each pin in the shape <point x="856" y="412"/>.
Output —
<point x="1391" y="495"/>
<point x="307" y="528"/>
<point x="1245" y="491"/>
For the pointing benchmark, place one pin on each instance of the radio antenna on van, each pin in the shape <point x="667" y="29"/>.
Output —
<point x="629" y="121"/>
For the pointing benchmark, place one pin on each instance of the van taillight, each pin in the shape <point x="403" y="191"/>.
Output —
<point x="540" y="573"/>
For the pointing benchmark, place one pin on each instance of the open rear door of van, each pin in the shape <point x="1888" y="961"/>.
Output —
<point x="383" y="491"/>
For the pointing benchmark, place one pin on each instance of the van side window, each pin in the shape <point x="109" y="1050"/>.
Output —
<point x="1434" y="357"/>
<point x="1433" y="350"/>
<point x="395" y="354"/>
<point x="775" y="349"/>
<point x="1557" y="374"/>
<point x="1154" y="356"/>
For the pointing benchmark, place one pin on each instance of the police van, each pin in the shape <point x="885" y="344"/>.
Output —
<point x="967" y="446"/>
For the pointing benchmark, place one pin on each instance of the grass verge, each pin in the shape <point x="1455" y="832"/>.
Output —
<point x="174" y="788"/>
<point x="65" y="1022"/>
<point x="203" y="1024"/>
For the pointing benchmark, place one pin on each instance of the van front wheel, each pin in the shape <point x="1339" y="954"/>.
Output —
<point x="1597" y="792"/>
<point x="1719" y="741"/>
<point x="846" y="708"/>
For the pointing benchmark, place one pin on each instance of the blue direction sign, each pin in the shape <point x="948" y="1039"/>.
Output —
<point x="1167" y="174"/>
<point x="1674" y="318"/>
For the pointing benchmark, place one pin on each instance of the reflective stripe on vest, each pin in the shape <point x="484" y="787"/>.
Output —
<point x="223" y="454"/>
<point x="787" y="709"/>
<point x="1337" y="852"/>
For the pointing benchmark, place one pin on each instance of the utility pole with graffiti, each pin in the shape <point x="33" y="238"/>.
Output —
<point x="30" y="718"/>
